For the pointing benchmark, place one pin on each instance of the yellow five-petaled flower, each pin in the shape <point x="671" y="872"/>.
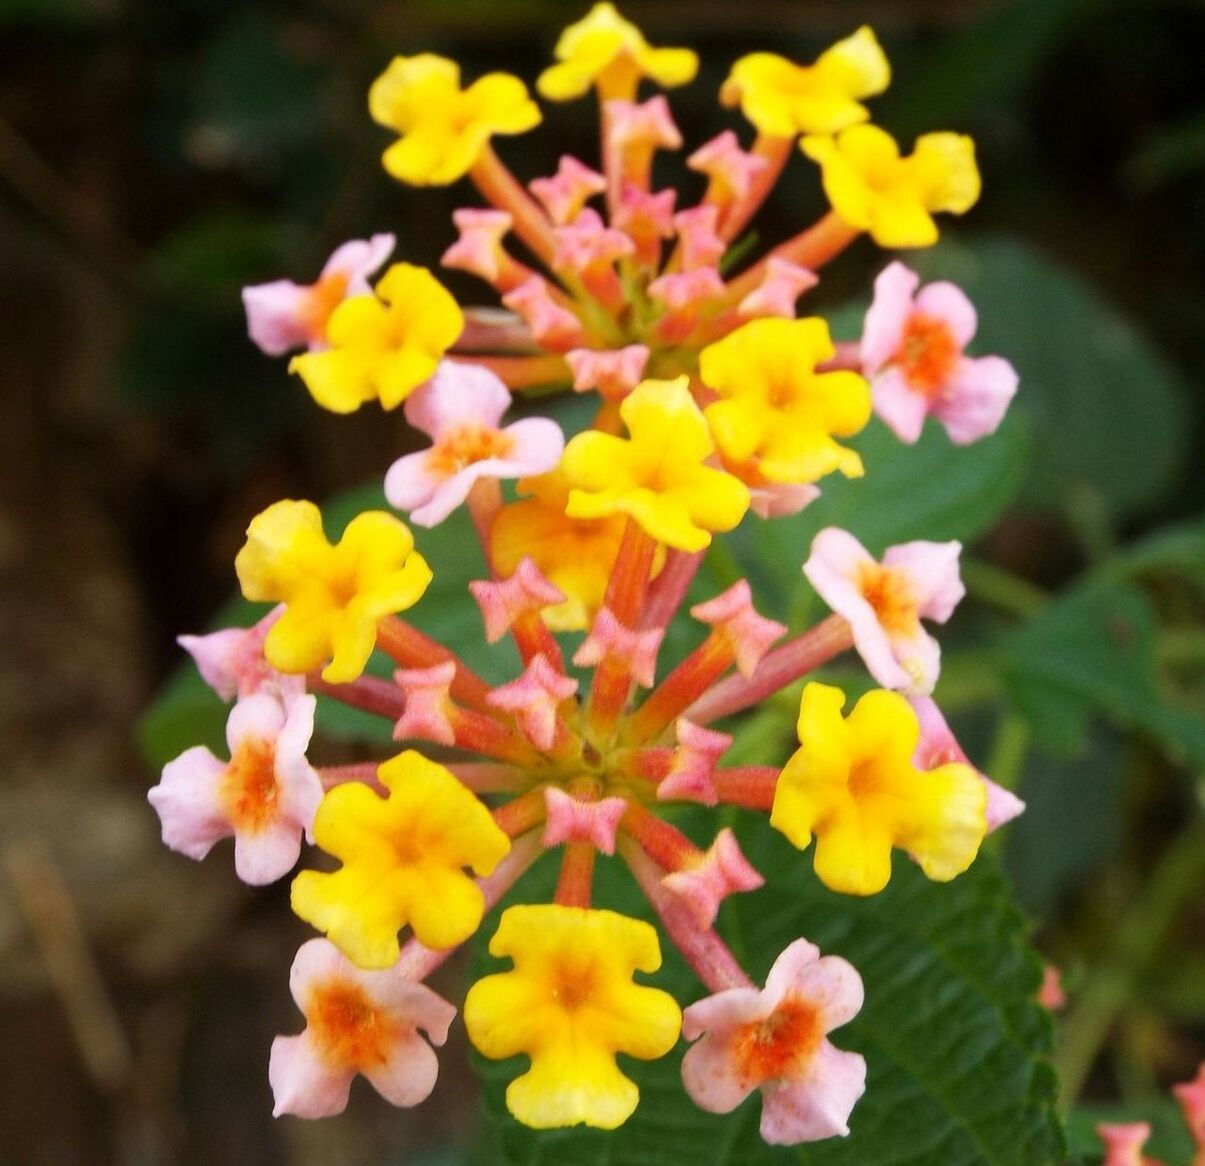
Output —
<point x="444" y="128"/>
<point x="777" y="415"/>
<point x="605" y="50"/>
<point x="854" y="786"/>
<point x="873" y="189"/>
<point x="334" y="596"/>
<point x="656" y="476"/>
<point x="382" y="346"/>
<point x="570" y="1005"/>
<point x="783" y="99"/>
<point x="403" y="858"/>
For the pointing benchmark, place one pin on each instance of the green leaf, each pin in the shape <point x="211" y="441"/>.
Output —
<point x="1107" y="410"/>
<point x="951" y="1033"/>
<point x="1093" y="649"/>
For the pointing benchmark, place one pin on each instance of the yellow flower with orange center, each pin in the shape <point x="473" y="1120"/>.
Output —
<point x="385" y="345"/>
<point x="776" y="413"/>
<point x="604" y="49"/>
<point x="853" y="785"/>
<point x="570" y="1005"/>
<point x="444" y="128"/>
<point x="872" y="188"/>
<point x="403" y="862"/>
<point x="334" y="595"/>
<point x="657" y="476"/>
<point x="783" y="99"/>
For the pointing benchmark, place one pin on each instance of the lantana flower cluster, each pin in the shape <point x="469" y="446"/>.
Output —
<point x="719" y="401"/>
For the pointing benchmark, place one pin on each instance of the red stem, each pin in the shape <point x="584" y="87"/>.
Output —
<point x="812" y="249"/>
<point x="668" y="590"/>
<point x="750" y="786"/>
<point x="410" y="648"/>
<point x="370" y="693"/>
<point x="573" y="888"/>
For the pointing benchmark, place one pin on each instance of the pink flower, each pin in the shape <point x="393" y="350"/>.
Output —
<point x="775" y="1040"/>
<point x="266" y="795"/>
<point x="1191" y="1096"/>
<point x="356" y="1022"/>
<point x="568" y="190"/>
<point x="938" y="746"/>
<point x="884" y="603"/>
<point x="913" y="355"/>
<point x="1124" y="1142"/>
<point x="731" y="170"/>
<point x="231" y="661"/>
<point x="282" y="315"/>
<point x="459" y="408"/>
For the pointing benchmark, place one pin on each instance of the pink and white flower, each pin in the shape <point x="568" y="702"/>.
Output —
<point x="265" y="796"/>
<point x="231" y="661"/>
<point x="460" y="408"/>
<point x="913" y="354"/>
<point x="775" y="1039"/>
<point x="356" y="1022"/>
<point x="938" y="746"/>
<point x="885" y="602"/>
<point x="282" y="315"/>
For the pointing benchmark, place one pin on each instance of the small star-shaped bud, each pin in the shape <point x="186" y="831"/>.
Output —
<point x="566" y="192"/>
<point x="610" y="640"/>
<point x="720" y="872"/>
<point x="687" y="289"/>
<point x="732" y="615"/>
<point x="730" y="168"/>
<point x="533" y="698"/>
<point x="646" y="125"/>
<point x="572" y="820"/>
<point x="505" y="601"/>
<point x="646" y="217"/>
<point x="614" y="373"/>
<point x="701" y="244"/>
<point x="588" y="244"/>
<point x="783" y="284"/>
<point x="689" y="777"/>
<point x="428" y="703"/>
<point x="479" y="248"/>
<point x="553" y="326"/>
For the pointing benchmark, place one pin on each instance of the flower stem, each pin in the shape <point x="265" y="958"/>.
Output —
<point x="811" y="249"/>
<point x="573" y="888"/>
<point x="370" y="693"/>
<point x="750" y="786"/>
<point x="522" y="372"/>
<point x="669" y="589"/>
<point x="500" y="187"/>
<point x="776" y="151"/>
<point x="412" y="649"/>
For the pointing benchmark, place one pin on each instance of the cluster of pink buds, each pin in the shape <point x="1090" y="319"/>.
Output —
<point x="716" y="399"/>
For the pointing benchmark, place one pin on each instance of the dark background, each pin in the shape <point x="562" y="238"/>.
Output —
<point x="154" y="157"/>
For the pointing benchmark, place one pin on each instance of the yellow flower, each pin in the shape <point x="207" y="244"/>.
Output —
<point x="776" y="414"/>
<point x="384" y="345"/>
<point x="873" y="189"/>
<point x="657" y="476"/>
<point x="443" y="127"/>
<point x="334" y="595"/>
<point x="853" y="784"/>
<point x="604" y="48"/>
<point x="574" y="554"/>
<point x="783" y="99"/>
<point x="403" y="859"/>
<point x="570" y="1005"/>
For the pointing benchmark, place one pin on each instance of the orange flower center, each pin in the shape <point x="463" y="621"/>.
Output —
<point x="349" y="1028"/>
<point x="888" y="592"/>
<point x="573" y="987"/>
<point x="774" y="1047"/>
<point x="325" y="296"/>
<point x="927" y="354"/>
<point x="249" y="790"/>
<point x="463" y="447"/>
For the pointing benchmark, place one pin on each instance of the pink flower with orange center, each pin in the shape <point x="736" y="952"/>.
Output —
<point x="356" y="1022"/>
<point x="885" y="602"/>
<point x="913" y="354"/>
<point x="460" y="408"/>
<point x="282" y="315"/>
<point x="775" y="1039"/>
<point x="265" y="796"/>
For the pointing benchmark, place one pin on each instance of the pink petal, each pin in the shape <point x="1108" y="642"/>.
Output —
<point x="479" y="248"/>
<point x="302" y="1082"/>
<point x="898" y="405"/>
<point x="457" y="395"/>
<point x="268" y="854"/>
<point x="536" y="446"/>
<point x="213" y="654"/>
<point x="976" y="398"/>
<point x="188" y="802"/>
<point x="724" y="1011"/>
<point x="276" y="316"/>
<point x="567" y="191"/>
<point x="932" y="572"/>
<point x="572" y="820"/>
<point x="829" y="984"/>
<point x="447" y="495"/>
<point x="408" y="1074"/>
<point x="723" y="871"/>
<point x="727" y="165"/>
<point x="818" y="1103"/>
<point x="949" y="303"/>
<point x="918" y="656"/>
<point x="358" y="259"/>
<point x="781" y="499"/>
<point x="709" y="1073"/>
<point x="883" y="328"/>
<point x="410" y="483"/>
<point x="258" y="717"/>
<point x="504" y="601"/>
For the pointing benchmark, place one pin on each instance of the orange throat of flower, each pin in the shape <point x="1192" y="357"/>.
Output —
<point x="348" y="1027"/>
<point x="773" y="1048"/>
<point x="889" y="593"/>
<point x="325" y="296"/>
<point x="463" y="447"/>
<point x="249" y="790"/>
<point x="927" y="354"/>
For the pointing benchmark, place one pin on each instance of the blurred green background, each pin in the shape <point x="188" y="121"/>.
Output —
<point x="154" y="157"/>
